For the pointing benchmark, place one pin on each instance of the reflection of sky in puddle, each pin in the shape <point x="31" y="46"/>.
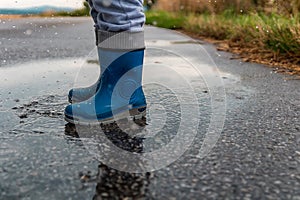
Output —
<point x="47" y="83"/>
<point x="33" y="73"/>
<point x="39" y="94"/>
<point x="38" y="91"/>
<point x="26" y="81"/>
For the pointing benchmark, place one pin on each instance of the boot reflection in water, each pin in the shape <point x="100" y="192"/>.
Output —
<point x="114" y="184"/>
<point x="118" y="91"/>
<point x="124" y="134"/>
<point x="111" y="183"/>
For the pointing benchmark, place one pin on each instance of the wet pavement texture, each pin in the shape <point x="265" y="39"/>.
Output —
<point x="256" y="156"/>
<point x="30" y="39"/>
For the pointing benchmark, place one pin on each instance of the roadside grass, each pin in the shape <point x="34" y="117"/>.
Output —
<point x="75" y="13"/>
<point x="264" y="38"/>
<point x="165" y="19"/>
<point x="82" y="12"/>
<point x="273" y="32"/>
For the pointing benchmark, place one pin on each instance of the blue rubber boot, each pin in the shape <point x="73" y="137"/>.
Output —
<point x="77" y="95"/>
<point x="120" y="94"/>
<point x="81" y="94"/>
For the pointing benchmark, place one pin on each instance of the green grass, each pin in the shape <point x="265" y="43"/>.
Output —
<point x="85" y="11"/>
<point x="271" y="32"/>
<point x="282" y="33"/>
<point x="75" y="13"/>
<point x="165" y="19"/>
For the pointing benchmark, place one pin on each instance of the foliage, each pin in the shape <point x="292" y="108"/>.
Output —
<point x="85" y="11"/>
<point x="266" y="31"/>
<point x="284" y="7"/>
<point x="165" y="19"/>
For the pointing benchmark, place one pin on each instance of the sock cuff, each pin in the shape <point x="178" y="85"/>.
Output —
<point x="125" y="40"/>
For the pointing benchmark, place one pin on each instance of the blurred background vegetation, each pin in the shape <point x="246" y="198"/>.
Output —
<point x="264" y="31"/>
<point x="84" y="11"/>
<point x="285" y="7"/>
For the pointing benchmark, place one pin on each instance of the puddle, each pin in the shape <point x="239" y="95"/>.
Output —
<point x="37" y="145"/>
<point x="187" y="42"/>
<point x="164" y="43"/>
<point x="122" y="185"/>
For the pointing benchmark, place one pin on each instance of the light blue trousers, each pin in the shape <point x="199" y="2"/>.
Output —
<point x="118" y="15"/>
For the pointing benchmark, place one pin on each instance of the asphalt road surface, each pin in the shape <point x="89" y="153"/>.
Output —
<point x="233" y="127"/>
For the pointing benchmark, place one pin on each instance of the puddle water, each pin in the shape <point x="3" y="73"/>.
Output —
<point x="41" y="153"/>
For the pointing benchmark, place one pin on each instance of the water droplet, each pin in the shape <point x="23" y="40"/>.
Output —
<point x="28" y="32"/>
<point x="13" y="26"/>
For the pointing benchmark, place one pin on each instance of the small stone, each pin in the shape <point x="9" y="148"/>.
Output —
<point x="23" y="115"/>
<point x="104" y="195"/>
<point x="85" y="178"/>
<point x="277" y="182"/>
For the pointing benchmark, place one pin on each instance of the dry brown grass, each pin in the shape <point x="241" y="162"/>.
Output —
<point x="10" y="16"/>
<point x="201" y="6"/>
<point x="216" y="6"/>
<point x="273" y="44"/>
<point x="262" y="31"/>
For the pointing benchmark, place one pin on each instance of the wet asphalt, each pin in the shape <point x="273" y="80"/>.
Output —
<point x="247" y="118"/>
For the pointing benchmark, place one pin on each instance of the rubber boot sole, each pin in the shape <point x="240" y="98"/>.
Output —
<point x="73" y="100"/>
<point x="133" y="114"/>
